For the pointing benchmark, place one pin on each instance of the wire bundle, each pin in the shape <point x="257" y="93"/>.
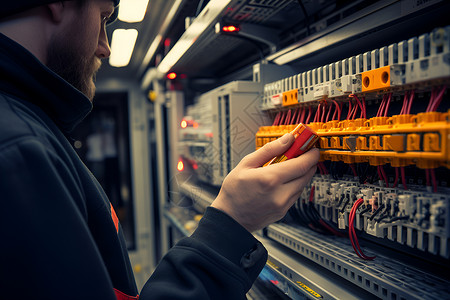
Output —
<point x="352" y="232"/>
<point x="435" y="99"/>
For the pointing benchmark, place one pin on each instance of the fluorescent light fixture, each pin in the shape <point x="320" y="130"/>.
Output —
<point x="122" y="46"/>
<point x="204" y="20"/>
<point x="132" y="11"/>
<point x="162" y="32"/>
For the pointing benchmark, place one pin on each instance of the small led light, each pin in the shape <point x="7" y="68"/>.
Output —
<point x="172" y="75"/>
<point x="183" y="124"/>
<point x="230" y="28"/>
<point x="180" y="165"/>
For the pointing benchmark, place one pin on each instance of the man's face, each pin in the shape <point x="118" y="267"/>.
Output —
<point x="75" y="53"/>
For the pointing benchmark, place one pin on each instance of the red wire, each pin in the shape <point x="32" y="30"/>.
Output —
<point x="300" y="110"/>
<point x="294" y="116"/>
<point x="316" y="116"/>
<point x="288" y="118"/>
<point x="281" y="121"/>
<point x="336" y="109"/>
<point x="411" y="98"/>
<point x="355" y="237"/>
<point x="311" y="194"/>
<point x="363" y="99"/>
<point x="303" y="115"/>
<point x="438" y="99"/>
<point x="433" y="180"/>
<point x="384" y="176"/>
<point x="277" y="117"/>
<point x="360" y="105"/>
<point x="331" y="229"/>
<point x="321" y="221"/>
<point x="380" y="109"/>
<point x="404" y="106"/>
<point x="329" y="112"/>
<point x="387" y="105"/>
<point x="320" y="169"/>
<point x="349" y="109"/>
<point x="379" y="173"/>
<point x="427" y="175"/>
<point x="324" y="109"/>
<point x="430" y="103"/>
<point x="352" y="232"/>
<point x="355" y="110"/>
<point x="309" y="115"/>
<point x="324" y="168"/>
<point x="396" y="177"/>
<point x="351" y="229"/>
<point x="352" y="166"/>
<point x="402" y="170"/>
<point x="334" y="114"/>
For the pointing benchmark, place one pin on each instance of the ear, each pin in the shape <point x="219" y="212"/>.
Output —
<point x="56" y="10"/>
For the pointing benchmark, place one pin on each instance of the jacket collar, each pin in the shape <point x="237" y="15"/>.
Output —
<point x="23" y="76"/>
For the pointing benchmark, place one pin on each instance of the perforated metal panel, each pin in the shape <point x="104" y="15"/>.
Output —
<point x="257" y="11"/>
<point x="384" y="277"/>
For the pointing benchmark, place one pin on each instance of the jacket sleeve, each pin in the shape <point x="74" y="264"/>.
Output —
<point x="47" y="251"/>
<point x="220" y="260"/>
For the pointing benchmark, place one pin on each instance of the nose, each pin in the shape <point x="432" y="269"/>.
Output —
<point x="103" y="49"/>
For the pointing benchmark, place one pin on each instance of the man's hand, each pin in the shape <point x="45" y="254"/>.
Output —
<point x="257" y="196"/>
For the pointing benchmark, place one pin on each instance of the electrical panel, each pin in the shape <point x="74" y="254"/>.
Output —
<point x="383" y="120"/>
<point x="374" y="222"/>
<point x="222" y="130"/>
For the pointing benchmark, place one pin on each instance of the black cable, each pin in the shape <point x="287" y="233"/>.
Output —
<point x="365" y="210"/>
<point x="396" y="219"/>
<point x="340" y="200"/>
<point x="306" y="16"/>
<point x="376" y="212"/>
<point x="383" y="216"/>
<point x="345" y="204"/>
<point x="257" y="45"/>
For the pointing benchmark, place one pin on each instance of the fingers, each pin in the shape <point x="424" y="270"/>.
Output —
<point x="293" y="190"/>
<point x="268" y="151"/>
<point x="296" y="167"/>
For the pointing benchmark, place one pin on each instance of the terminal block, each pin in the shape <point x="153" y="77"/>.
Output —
<point x="415" y="218"/>
<point x="401" y="140"/>
<point x="290" y="97"/>
<point x="418" y="61"/>
<point x="383" y="78"/>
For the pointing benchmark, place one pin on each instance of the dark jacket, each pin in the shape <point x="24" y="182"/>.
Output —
<point x="58" y="235"/>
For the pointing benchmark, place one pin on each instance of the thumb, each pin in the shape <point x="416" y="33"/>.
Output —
<point x="269" y="151"/>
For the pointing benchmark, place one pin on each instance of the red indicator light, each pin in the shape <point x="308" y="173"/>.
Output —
<point x="195" y="125"/>
<point x="180" y="165"/>
<point x="167" y="42"/>
<point x="230" y="28"/>
<point x="275" y="282"/>
<point x="195" y="166"/>
<point x="172" y="75"/>
<point x="183" y="124"/>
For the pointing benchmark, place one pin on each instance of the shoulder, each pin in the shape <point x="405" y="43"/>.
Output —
<point x="20" y="121"/>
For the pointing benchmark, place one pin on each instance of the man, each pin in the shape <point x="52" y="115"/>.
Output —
<point x="60" y="237"/>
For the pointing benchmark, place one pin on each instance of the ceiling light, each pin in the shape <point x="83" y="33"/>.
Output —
<point x="208" y="15"/>
<point x="132" y="10"/>
<point x="122" y="46"/>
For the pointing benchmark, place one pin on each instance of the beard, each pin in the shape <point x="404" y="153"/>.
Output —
<point x="77" y="69"/>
